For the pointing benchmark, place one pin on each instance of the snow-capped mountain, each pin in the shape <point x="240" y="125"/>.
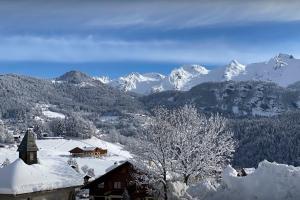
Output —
<point x="103" y="79"/>
<point x="140" y="83"/>
<point x="154" y="82"/>
<point x="283" y="70"/>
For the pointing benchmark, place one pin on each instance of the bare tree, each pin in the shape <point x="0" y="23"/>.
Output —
<point x="73" y="163"/>
<point x="183" y="143"/>
<point x="84" y="169"/>
<point x="153" y="151"/>
<point x="202" y="145"/>
<point x="91" y="172"/>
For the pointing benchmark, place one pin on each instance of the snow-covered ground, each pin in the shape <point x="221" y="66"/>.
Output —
<point x="45" y="108"/>
<point x="57" y="150"/>
<point x="270" y="181"/>
<point x="51" y="114"/>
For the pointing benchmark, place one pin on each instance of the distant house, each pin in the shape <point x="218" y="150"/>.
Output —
<point x="88" y="152"/>
<point x="118" y="183"/>
<point x="27" y="179"/>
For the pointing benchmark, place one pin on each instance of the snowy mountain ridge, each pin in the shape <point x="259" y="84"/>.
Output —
<point x="283" y="69"/>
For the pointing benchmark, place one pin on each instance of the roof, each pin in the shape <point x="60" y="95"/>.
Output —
<point x="111" y="170"/>
<point x="89" y="148"/>
<point x="86" y="149"/>
<point x="19" y="178"/>
<point x="28" y="142"/>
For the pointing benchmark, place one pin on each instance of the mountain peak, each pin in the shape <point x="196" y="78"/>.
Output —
<point x="284" y="56"/>
<point x="234" y="63"/>
<point x="234" y="68"/>
<point x="195" y="69"/>
<point x="103" y="79"/>
<point x="281" y="60"/>
<point x="75" y="77"/>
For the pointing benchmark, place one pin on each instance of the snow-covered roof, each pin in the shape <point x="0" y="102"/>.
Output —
<point x="20" y="178"/>
<point x="109" y="170"/>
<point x="88" y="148"/>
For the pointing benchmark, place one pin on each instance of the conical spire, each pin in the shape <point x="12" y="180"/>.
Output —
<point x="28" y="142"/>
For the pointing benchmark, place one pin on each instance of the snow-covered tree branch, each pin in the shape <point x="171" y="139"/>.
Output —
<point x="185" y="144"/>
<point x="154" y="152"/>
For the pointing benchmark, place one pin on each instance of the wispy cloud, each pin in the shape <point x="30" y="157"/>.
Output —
<point x="51" y="16"/>
<point x="89" y="49"/>
<point x="120" y="30"/>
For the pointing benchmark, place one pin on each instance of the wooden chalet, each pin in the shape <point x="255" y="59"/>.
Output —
<point x="88" y="152"/>
<point x="118" y="183"/>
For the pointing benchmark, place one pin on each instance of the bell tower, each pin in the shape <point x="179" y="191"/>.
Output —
<point x="28" y="149"/>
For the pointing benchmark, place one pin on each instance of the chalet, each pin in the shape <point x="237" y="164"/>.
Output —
<point x="118" y="183"/>
<point x="27" y="179"/>
<point x="88" y="152"/>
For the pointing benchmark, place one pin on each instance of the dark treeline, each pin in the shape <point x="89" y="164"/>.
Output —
<point x="272" y="138"/>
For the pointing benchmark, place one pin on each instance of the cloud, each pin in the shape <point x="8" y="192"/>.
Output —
<point x="76" y="15"/>
<point x="120" y="30"/>
<point x="90" y="49"/>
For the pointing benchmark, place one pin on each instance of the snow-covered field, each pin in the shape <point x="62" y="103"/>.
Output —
<point x="58" y="151"/>
<point x="51" y="114"/>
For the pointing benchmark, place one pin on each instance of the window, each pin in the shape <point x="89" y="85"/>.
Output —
<point x="101" y="185"/>
<point x="31" y="156"/>
<point x="117" y="185"/>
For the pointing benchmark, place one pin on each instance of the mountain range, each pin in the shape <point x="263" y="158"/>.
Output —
<point x="283" y="69"/>
<point x="259" y="89"/>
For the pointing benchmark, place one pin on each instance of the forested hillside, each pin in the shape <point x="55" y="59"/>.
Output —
<point x="234" y="99"/>
<point x="25" y="100"/>
<point x="263" y="116"/>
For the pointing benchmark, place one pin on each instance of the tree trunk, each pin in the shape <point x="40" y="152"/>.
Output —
<point x="186" y="178"/>
<point x="165" y="192"/>
<point x="165" y="187"/>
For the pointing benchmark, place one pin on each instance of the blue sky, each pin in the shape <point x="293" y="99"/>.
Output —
<point x="47" y="38"/>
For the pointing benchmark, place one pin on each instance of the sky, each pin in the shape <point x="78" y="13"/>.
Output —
<point x="115" y="37"/>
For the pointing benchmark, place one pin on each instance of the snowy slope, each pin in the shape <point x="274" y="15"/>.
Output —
<point x="269" y="181"/>
<point x="55" y="151"/>
<point x="283" y="69"/>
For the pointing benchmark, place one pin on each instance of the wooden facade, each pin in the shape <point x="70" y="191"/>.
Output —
<point x="116" y="184"/>
<point x="88" y="152"/>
